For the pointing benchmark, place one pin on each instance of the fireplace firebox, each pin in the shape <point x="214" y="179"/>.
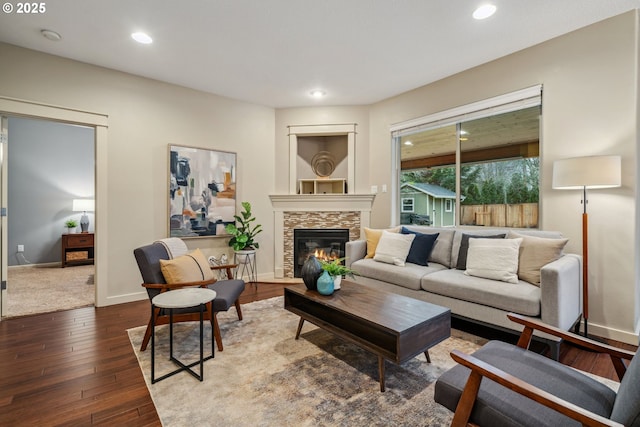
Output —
<point x="325" y="244"/>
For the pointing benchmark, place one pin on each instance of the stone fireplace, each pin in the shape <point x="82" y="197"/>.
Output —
<point x="292" y="212"/>
<point x="323" y="243"/>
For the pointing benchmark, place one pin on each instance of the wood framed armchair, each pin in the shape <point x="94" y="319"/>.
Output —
<point x="227" y="292"/>
<point x="508" y="385"/>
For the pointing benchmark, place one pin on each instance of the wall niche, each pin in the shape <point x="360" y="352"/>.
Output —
<point x="321" y="159"/>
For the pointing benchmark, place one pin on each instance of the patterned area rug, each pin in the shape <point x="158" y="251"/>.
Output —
<point x="266" y="378"/>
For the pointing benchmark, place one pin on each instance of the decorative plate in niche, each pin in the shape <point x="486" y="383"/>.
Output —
<point x="323" y="164"/>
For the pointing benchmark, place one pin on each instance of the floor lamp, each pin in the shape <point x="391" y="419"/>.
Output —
<point x="582" y="173"/>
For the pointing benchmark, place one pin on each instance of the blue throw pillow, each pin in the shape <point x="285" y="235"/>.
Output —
<point x="421" y="246"/>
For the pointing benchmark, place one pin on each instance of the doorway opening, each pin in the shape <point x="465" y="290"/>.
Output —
<point x="51" y="167"/>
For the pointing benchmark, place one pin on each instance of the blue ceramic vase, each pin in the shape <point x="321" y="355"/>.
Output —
<point x="325" y="284"/>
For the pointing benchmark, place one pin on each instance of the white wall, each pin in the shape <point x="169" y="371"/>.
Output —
<point x="590" y="95"/>
<point x="144" y="117"/>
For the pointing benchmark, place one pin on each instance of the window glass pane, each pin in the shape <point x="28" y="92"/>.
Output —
<point x="407" y="204"/>
<point x="500" y="168"/>
<point x="428" y="175"/>
<point x="499" y="172"/>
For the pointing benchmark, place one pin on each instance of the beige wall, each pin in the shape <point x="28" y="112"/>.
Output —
<point x="590" y="95"/>
<point x="144" y="117"/>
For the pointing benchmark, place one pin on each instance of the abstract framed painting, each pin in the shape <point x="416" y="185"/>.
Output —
<point x="202" y="191"/>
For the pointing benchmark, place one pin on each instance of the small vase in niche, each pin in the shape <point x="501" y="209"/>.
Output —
<point x="325" y="284"/>
<point x="310" y="272"/>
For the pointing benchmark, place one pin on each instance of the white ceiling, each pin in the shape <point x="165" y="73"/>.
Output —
<point x="274" y="52"/>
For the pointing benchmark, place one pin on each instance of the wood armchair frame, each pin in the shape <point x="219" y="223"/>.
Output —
<point x="190" y="317"/>
<point x="480" y="369"/>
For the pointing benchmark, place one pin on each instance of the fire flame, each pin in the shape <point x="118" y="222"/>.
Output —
<point x="321" y="254"/>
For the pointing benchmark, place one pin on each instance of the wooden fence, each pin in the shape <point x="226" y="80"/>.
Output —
<point x="522" y="215"/>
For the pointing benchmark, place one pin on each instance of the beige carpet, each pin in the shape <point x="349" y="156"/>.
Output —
<point x="34" y="290"/>
<point x="266" y="378"/>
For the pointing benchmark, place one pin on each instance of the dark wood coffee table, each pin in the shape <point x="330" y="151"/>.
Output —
<point x="393" y="327"/>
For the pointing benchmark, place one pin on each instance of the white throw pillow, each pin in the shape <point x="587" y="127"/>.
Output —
<point x="495" y="259"/>
<point x="393" y="248"/>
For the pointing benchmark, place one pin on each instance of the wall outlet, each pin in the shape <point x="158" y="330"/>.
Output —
<point x="20" y="248"/>
<point x="384" y="188"/>
<point x="374" y="189"/>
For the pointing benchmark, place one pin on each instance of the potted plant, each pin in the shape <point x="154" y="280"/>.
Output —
<point x="71" y="226"/>
<point x="336" y="270"/>
<point x="243" y="233"/>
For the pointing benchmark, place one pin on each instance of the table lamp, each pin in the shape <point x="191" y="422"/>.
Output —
<point x="582" y="173"/>
<point x="84" y="205"/>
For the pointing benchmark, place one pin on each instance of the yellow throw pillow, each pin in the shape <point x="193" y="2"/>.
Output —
<point x="192" y="267"/>
<point x="373" y="237"/>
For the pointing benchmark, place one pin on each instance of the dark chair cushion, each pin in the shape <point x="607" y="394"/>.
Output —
<point x="626" y="410"/>
<point x="148" y="258"/>
<point x="498" y="406"/>
<point x="227" y="292"/>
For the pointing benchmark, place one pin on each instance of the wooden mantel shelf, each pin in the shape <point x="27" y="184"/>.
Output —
<point x="322" y="202"/>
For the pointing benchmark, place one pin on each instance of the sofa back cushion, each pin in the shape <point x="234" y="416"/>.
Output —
<point x="441" y="252"/>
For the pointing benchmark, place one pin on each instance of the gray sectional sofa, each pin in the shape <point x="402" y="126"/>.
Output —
<point x="556" y="301"/>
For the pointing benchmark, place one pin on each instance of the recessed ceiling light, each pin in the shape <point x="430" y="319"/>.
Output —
<point x="408" y="143"/>
<point x="318" y="93"/>
<point x="463" y="132"/>
<point x="142" y="38"/>
<point x="484" y="11"/>
<point x="51" y="35"/>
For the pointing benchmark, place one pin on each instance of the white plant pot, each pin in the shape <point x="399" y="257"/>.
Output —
<point x="71" y="230"/>
<point x="245" y="256"/>
<point x="336" y="282"/>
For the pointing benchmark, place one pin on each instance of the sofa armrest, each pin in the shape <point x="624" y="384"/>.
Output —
<point x="561" y="291"/>
<point x="355" y="250"/>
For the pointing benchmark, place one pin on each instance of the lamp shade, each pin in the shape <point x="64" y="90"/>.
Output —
<point x="587" y="172"/>
<point x="83" y="205"/>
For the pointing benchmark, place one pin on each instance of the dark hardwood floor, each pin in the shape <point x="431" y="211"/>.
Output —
<point x="77" y="367"/>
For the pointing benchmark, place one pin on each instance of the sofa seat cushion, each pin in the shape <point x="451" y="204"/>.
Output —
<point x="498" y="406"/>
<point x="522" y="297"/>
<point x="408" y="276"/>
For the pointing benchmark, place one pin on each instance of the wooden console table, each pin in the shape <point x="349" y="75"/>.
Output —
<point x="71" y="243"/>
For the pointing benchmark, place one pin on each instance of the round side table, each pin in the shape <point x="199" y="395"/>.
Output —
<point x="181" y="298"/>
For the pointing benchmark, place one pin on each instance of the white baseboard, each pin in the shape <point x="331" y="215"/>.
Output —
<point x="612" y="333"/>
<point x="122" y="299"/>
<point x="43" y="265"/>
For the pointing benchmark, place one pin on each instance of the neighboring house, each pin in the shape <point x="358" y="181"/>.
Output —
<point x="420" y="200"/>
